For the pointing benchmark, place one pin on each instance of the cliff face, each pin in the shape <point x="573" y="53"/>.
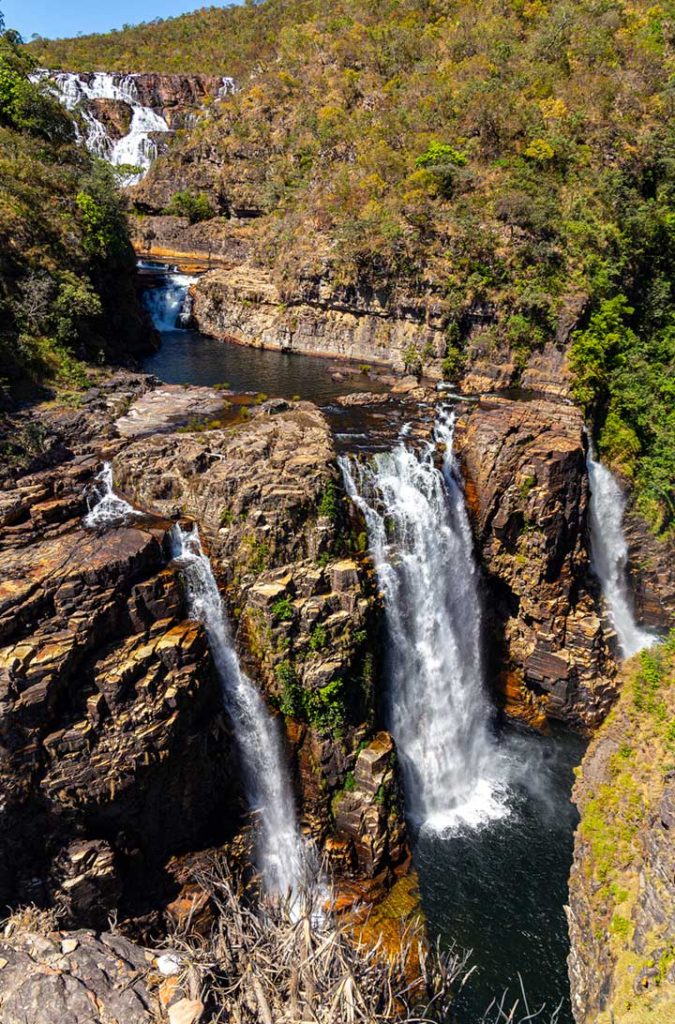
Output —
<point x="115" y="751"/>
<point x="651" y="567"/>
<point x="244" y="304"/>
<point x="527" y="491"/>
<point x="268" y="500"/>
<point x="622" y="886"/>
<point x="114" y="748"/>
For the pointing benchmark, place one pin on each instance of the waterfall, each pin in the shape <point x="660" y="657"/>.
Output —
<point x="169" y="305"/>
<point x="609" y="555"/>
<point x="106" y="509"/>
<point x="138" y="147"/>
<point x="281" y="853"/>
<point x="284" y="860"/>
<point x="420" y="539"/>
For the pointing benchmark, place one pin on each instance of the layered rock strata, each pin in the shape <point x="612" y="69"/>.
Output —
<point x="269" y="503"/>
<point x="245" y="305"/>
<point x="114" y="751"/>
<point x="527" y="491"/>
<point x="116" y="754"/>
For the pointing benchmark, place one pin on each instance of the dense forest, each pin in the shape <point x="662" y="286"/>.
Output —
<point x="514" y="158"/>
<point x="67" y="295"/>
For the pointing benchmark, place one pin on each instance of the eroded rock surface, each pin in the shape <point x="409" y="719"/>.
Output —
<point x="651" y="568"/>
<point x="75" y="978"/>
<point x="114" y="752"/>
<point x="527" y="491"/>
<point x="269" y="502"/>
<point x="244" y="304"/>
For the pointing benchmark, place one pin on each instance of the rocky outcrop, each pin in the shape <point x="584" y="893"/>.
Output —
<point x="269" y="503"/>
<point x="527" y="491"/>
<point x="75" y="978"/>
<point x="168" y="237"/>
<point x="622" y="887"/>
<point x="243" y="304"/>
<point x="114" y="752"/>
<point x="651" y="568"/>
<point x="178" y="97"/>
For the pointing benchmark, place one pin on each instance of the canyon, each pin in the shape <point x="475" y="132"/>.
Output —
<point x="321" y="612"/>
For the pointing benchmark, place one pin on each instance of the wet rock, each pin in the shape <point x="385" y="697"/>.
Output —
<point x="527" y="492"/>
<point x="361" y="398"/>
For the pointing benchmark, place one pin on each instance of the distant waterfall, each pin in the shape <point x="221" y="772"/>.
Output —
<point x="106" y="509"/>
<point x="420" y="539"/>
<point x="609" y="555"/>
<point x="169" y="305"/>
<point x="138" y="147"/>
<point x="281" y="852"/>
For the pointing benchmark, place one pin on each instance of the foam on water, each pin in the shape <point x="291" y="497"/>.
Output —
<point x="439" y="714"/>
<point x="609" y="556"/>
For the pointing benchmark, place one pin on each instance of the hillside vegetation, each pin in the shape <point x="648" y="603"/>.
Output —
<point x="67" y="295"/>
<point x="512" y="159"/>
<point x="622" y="884"/>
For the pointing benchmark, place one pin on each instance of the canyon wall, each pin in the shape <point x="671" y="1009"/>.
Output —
<point x="116" y="752"/>
<point x="527" y="492"/>
<point x="622" y="885"/>
<point x="269" y="502"/>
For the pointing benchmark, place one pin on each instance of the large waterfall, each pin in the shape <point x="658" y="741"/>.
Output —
<point x="169" y="303"/>
<point x="420" y="540"/>
<point x="282" y="855"/>
<point x="609" y="555"/>
<point x="138" y="147"/>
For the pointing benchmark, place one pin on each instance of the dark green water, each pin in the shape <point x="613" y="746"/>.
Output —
<point x="500" y="889"/>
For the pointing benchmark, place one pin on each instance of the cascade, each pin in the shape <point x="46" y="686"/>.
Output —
<point x="169" y="305"/>
<point x="282" y="856"/>
<point x="284" y="860"/>
<point x="609" y="555"/>
<point x="76" y="91"/>
<point x="420" y="539"/>
<point x="106" y="509"/>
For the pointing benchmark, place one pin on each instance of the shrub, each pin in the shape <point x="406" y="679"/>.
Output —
<point x="329" y="506"/>
<point x="282" y="610"/>
<point x="195" y="207"/>
<point x="318" y="638"/>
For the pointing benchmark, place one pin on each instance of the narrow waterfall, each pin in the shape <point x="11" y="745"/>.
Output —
<point x="78" y="92"/>
<point x="609" y="555"/>
<point x="106" y="509"/>
<point x="420" y="539"/>
<point x="282" y="855"/>
<point x="284" y="860"/>
<point x="169" y="305"/>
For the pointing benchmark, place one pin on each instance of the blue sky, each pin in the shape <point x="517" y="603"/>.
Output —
<point x="68" y="17"/>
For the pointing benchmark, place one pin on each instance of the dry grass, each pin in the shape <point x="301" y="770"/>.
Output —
<point x="270" y="962"/>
